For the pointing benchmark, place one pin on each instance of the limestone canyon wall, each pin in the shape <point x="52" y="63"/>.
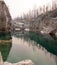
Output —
<point x="5" y="18"/>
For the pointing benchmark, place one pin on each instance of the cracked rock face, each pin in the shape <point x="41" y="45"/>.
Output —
<point x="5" y="18"/>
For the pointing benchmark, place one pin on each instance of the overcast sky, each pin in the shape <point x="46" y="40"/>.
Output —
<point x="17" y="7"/>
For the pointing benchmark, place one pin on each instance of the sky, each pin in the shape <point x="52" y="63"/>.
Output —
<point x="18" y="7"/>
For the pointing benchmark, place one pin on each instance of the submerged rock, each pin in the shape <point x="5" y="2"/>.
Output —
<point x="25" y="62"/>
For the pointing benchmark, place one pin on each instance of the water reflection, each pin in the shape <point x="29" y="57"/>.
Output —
<point x="5" y="48"/>
<point x="44" y="40"/>
<point x="42" y="50"/>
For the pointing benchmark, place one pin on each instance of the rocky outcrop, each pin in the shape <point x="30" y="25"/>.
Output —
<point x="5" y="18"/>
<point x="54" y="33"/>
<point x="45" y="23"/>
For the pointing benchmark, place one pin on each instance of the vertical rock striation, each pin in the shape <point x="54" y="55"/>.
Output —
<point x="5" y="18"/>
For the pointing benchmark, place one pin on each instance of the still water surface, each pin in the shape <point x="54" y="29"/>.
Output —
<point x="41" y="49"/>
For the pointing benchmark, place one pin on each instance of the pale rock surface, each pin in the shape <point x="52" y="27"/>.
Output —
<point x="56" y="34"/>
<point x="25" y="62"/>
<point x="1" y="61"/>
<point x="7" y="63"/>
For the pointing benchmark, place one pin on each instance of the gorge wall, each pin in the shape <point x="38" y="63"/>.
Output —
<point x="5" y="18"/>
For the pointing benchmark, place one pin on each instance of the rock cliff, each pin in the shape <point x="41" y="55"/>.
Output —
<point x="45" y="23"/>
<point x="5" y="18"/>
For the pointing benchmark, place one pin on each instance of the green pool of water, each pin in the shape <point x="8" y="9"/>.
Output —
<point x="41" y="49"/>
